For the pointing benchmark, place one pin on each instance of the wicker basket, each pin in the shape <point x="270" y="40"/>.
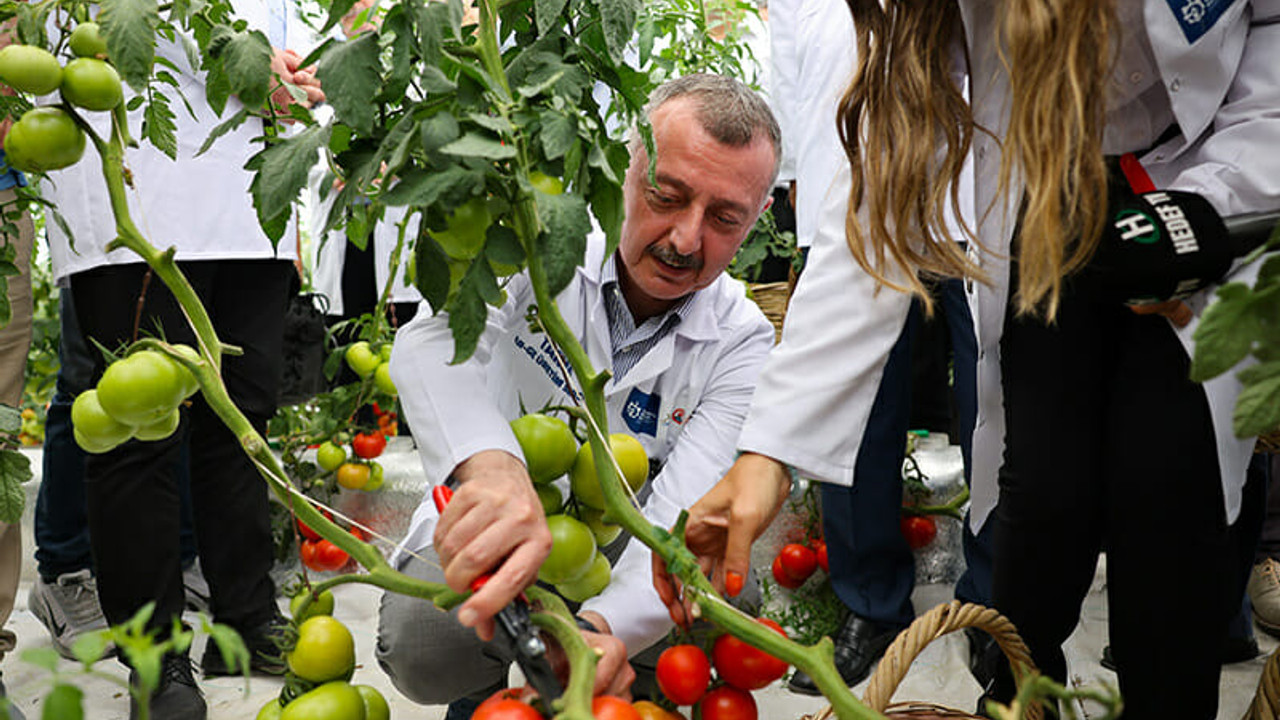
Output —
<point x="772" y="299"/>
<point x="1266" y="702"/>
<point x="941" y="620"/>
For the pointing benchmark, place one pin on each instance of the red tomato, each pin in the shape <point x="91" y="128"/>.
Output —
<point x="329" y="556"/>
<point x="744" y="666"/>
<point x="919" y="530"/>
<point x="307" y="551"/>
<point x="820" y="549"/>
<point x="306" y="530"/>
<point x="798" y="561"/>
<point x="728" y="703"/>
<point x="608" y="707"/>
<point x="782" y="577"/>
<point x="508" y="704"/>
<point x="369" y="445"/>
<point x="683" y="673"/>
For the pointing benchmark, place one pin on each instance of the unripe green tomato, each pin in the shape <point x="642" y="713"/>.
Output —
<point x="91" y="84"/>
<point x="142" y="388"/>
<point x="330" y="456"/>
<point x="547" y="443"/>
<point x="43" y="139"/>
<point x="585" y="483"/>
<point x="573" y="548"/>
<point x="376" y="477"/>
<point x="336" y="700"/>
<point x="361" y="358"/>
<point x="550" y="497"/>
<point x="382" y="379"/>
<point x="464" y="234"/>
<point x="546" y="183"/>
<point x="30" y="69"/>
<point x="321" y="604"/>
<point x="95" y="430"/>
<point x="375" y="705"/>
<point x="160" y="429"/>
<point x="190" y="353"/>
<point x="270" y="711"/>
<point x="325" y="651"/>
<point x="592" y="583"/>
<point x="87" y="41"/>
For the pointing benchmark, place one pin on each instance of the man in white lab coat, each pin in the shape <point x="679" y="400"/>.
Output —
<point x="685" y="346"/>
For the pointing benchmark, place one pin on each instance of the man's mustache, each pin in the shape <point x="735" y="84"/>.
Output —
<point x="668" y="255"/>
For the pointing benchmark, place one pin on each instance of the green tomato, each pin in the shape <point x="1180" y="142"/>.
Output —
<point x="550" y="497"/>
<point x="548" y="445"/>
<point x="573" y="548"/>
<point x="605" y="532"/>
<point x="375" y="705"/>
<point x="384" y="352"/>
<point x="336" y="700"/>
<point x="546" y="184"/>
<point x="193" y="355"/>
<point x="270" y="711"/>
<point x="325" y="651"/>
<point x="95" y="430"/>
<point x="362" y="359"/>
<point x="376" y="477"/>
<point x="91" y="84"/>
<point x="160" y="429"/>
<point x="592" y="583"/>
<point x="464" y="234"/>
<point x="330" y="456"/>
<point x="382" y="379"/>
<point x="631" y="457"/>
<point x="30" y="69"/>
<point x="87" y="41"/>
<point x="321" y="604"/>
<point x="43" y="139"/>
<point x="142" y="388"/>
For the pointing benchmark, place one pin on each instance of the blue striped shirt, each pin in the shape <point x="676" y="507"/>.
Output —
<point x="629" y="343"/>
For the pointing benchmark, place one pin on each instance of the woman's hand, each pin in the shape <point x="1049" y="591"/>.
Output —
<point x="723" y="525"/>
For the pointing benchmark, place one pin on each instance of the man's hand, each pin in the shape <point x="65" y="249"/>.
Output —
<point x="494" y="524"/>
<point x="285" y="68"/>
<point x="723" y="525"/>
<point x="614" y="674"/>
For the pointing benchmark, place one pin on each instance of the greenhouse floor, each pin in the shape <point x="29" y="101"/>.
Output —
<point x="939" y="675"/>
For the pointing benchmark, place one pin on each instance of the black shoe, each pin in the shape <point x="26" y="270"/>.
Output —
<point x="265" y="656"/>
<point x="859" y="644"/>
<point x="1234" y="650"/>
<point x="178" y="697"/>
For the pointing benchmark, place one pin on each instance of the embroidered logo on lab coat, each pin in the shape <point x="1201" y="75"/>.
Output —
<point x="1196" y="17"/>
<point x="640" y="412"/>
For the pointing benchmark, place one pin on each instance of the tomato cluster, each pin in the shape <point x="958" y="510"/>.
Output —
<point x="576" y="567"/>
<point x="321" y="662"/>
<point x="48" y="138"/>
<point x="137" y="397"/>
<point x="360" y="471"/>
<point x="795" y="562"/>
<point x="369" y="362"/>
<point x="684" y="675"/>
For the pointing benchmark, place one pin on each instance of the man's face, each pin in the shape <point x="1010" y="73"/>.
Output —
<point x="680" y="235"/>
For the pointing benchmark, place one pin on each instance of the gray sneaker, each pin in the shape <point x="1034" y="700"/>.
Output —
<point x="196" y="588"/>
<point x="69" y="608"/>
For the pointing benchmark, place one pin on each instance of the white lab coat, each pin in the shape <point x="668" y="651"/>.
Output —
<point x="685" y="401"/>
<point x="817" y="390"/>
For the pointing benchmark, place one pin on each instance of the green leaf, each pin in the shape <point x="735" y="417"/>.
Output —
<point x="217" y="89"/>
<point x="498" y="125"/>
<point x="45" y="658"/>
<point x="11" y="423"/>
<point x="1225" y="333"/>
<point x="547" y="11"/>
<point x="352" y="78"/>
<point x="1257" y="408"/>
<point x="606" y="205"/>
<point x="467" y="315"/>
<point x="231" y="647"/>
<point x="481" y="276"/>
<point x="477" y="145"/>
<point x="129" y="27"/>
<point x="89" y="647"/>
<point x="421" y="188"/>
<point x="158" y="125"/>
<point x="337" y="9"/>
<point x="618" y="18"/>
<point x="439" y="130"/>
<point x="559" y="132"/>
<point x="281" y="173"/>
<point x="502" y="245"/>
<point x="246" y="59"/>
<point x="223" y="128"/>
<point x="15" y="469"/>
<point x="564" y="243"/>
<point x="431" y="271"/>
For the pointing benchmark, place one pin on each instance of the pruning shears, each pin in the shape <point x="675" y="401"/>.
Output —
<point x="515" y="628"/>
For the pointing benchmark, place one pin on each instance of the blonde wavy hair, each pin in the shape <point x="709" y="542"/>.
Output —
<point x="907" y="128"/>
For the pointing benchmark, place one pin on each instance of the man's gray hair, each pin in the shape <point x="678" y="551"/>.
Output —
<point x="729" y="111"/>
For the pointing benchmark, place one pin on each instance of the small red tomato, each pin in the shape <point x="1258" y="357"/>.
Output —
<point x="683" y="672"/>
<point x="744" y="666"/>
<point x="728" y="703"/>
<point x="507" y="704"/>
<point x="798" y="561"/>
<point x="781" y="576"/>
<point x="369" y="445"/>
<point x="919" y="530"/>
<point x="307" y="552"/>
<point x="820" y="550"/>
<point x="608" y="707"/>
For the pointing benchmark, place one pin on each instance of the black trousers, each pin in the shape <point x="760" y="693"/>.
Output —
<point x="1109" y="447"/>
<point x="132" y="493"/>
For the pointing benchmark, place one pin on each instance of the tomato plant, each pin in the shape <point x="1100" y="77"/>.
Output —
<point x="91" y="84"/>
<point x="324" y="651"/>
<point x="30" y="69"/>
<point x="919" y="530"/>
<point x="798" y="561"/>
<point x="337" y="700"/>
<point x="744" y="666"/>
<point x="608" y="707"/>
<point x="87" y="41"/>
<point x="547" y="444"/>
<point x="632" y="458"/>
<point x="43" y="139"/>
<point x="573" y="548"/>
<point x="781" y="577"/>
<point x="330" y="455"/>
<point x="683" y="673"/>
<point x="727" y="703"/>
<point x="369" y="445"/>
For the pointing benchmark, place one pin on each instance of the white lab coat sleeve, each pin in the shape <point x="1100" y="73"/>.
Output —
<point x="702" y="453"/>
<point x="814" y="398"/>
<point x="450" y="404"/>
<point x="784" y="63"/>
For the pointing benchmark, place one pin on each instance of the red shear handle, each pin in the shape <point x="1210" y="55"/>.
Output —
<point x="441" y="495"/>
